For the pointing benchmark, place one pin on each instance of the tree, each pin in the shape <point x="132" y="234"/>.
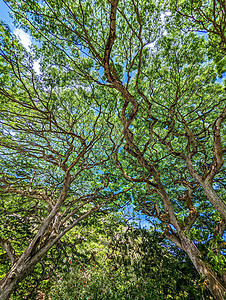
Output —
<point x="55" y="149"/>
<point x="161" y="82"/>
<point x="208" y="18"/>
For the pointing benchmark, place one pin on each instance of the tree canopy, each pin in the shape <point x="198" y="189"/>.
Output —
<point x="128" y="108"/>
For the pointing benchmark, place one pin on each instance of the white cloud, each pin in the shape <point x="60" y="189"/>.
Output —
<point x="23" y="37"/>
<point x="151" y="45"/>
<point x="36" y="67"/>
<point x="165" y="33"/>
<point x="168" y="13"/>
<point x="162" y="17"/>
<point x="26" y="42"/>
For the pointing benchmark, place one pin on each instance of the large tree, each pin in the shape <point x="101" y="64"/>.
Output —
<point x="159" y="78"/>
<point x="55" y="150"/>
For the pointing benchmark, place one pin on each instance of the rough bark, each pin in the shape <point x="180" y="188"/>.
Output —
<point x="214" y="199"/>
<point x="22" y="268"/>
<point x="206" y="181"/>
<point x="212" y="281"/>
<point x="47" y="236"/>
<point x="31" y="256"/>
<point x="9" y="283"/>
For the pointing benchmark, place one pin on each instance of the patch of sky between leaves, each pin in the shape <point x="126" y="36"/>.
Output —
<point x="25" y="39"/>
<point x="138" y="219"/>
<point x="165" y="33"/>
<point x="4" y="14"/>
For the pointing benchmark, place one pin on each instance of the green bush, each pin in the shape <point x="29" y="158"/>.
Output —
<point x="138" y="268"/>
<point x="94" y="282"/>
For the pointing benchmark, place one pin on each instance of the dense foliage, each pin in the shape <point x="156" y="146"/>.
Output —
<point x="128" y="109"/>
<point x="115" y="260"/>
<point x="138" y="267"/>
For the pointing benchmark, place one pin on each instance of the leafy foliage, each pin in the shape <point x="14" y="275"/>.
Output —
<point x="128" y="107"/>
<point x="137" y="268"/>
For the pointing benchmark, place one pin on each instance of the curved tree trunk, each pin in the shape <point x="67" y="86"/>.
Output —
<point x="214" y="199"/>
<point x="214" y="284"/>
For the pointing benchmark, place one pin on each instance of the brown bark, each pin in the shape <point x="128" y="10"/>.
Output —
<point x="215" y="199"/>
<point x="48" y="234"/>
<point x="214" y="284"/>
<point x="9" y="283"/>
<point x="206" y="181"/>
<point x="32" y="255"/>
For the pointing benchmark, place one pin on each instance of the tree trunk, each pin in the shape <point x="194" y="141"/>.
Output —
<point x="21" y="269"/>
<point x="214" y="199"/>
<point x="24" y="266"/>
<point x="214" y="284"/>
<point x="17" y="273"/>
<point x="37" y="249"/>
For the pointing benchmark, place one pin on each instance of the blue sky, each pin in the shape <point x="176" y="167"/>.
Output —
<point x="4" y="14"/>
<point x="23" y="37"/>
